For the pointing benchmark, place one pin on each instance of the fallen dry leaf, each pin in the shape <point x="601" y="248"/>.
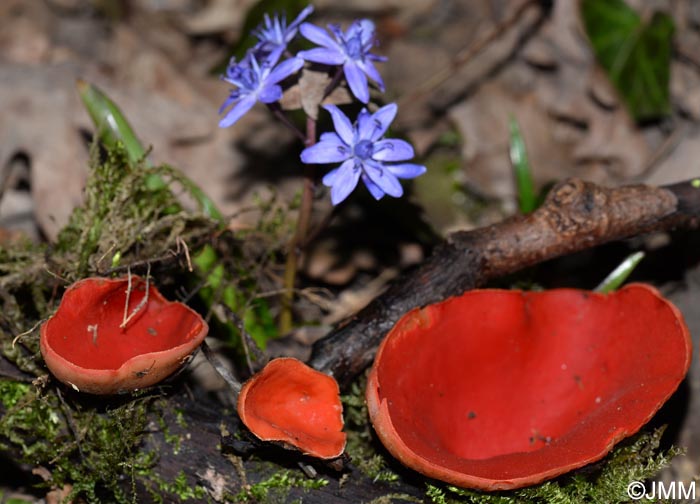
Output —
<point x="308" y="94"/>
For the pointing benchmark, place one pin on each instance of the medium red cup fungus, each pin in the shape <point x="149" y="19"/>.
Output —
<point x="290" y="403"/>
<point x="116" y="335"/>
<point x="503" y="389"/>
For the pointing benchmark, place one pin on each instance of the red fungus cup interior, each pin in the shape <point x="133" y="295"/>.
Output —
<point x="502" y="389"/>
<point x="113" y="335"/>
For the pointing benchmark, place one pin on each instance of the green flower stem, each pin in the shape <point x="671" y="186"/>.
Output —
<point x="299" y="238"/>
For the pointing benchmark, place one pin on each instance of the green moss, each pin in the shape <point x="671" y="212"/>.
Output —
<point x="11" y="392"/>
<point x="360" y="445"/>
<point x="95" y="447"/>
<point x="180" y="419"/>
<point x="88" y="450"/>
<point x="233" y="278"/>
<point x="175" y="440"/>
<point x="180" y="488"/>
<point x="391" y="498"/>
<point x="121" y="213"/>
<point x="638" y="459"/>
<point x="275" y="488"/>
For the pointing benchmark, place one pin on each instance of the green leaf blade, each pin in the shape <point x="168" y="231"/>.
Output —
<point x="113" y="127"/>
<point x="635" y="53"/>
<point x="618" y="276"/>
<point x="527" y="200"/>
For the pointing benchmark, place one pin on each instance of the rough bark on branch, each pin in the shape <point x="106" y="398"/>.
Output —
<point x="575" y="216"/>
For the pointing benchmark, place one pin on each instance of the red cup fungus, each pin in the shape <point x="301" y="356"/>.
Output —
<point x="503" y="389"/>
<point x="116" y="335"/>
<point x="290" y="403"/>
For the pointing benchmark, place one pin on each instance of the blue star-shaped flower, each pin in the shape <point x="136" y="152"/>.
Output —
<point x="350" y="49"/>
<point x="274" y="34"/>
<point x="363" y="154"/>
<point x="254" y="82"/>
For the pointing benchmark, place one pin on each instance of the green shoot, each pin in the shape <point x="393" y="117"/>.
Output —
<point x="620" y="274"/>
<point x="112" y="128"/>
<point x="527" y="200"/>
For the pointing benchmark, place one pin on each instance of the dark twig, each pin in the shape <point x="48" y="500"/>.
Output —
<point x="223" y="371"/>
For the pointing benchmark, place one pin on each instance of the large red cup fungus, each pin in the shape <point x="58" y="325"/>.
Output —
<point x="503" y="389"/>
<point x="290" y="403"/>
<point x="116" y="335"/>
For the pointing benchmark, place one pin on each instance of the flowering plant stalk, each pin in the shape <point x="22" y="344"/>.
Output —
<point x="359" y="146"/>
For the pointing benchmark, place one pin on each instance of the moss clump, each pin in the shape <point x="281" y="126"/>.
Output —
<point x="125" y="217"/>
<point x="275" y="488"/>
<point x="179" y="488"/>
<point x="606" y="482"/>
<point x="90" y="451"/>
<point x="95" y="448"/>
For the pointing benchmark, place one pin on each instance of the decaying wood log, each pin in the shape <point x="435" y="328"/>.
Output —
<point x="575" y="216"/>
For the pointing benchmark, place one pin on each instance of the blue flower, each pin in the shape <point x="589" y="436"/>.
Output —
<point x="350" y="49"/>
<point x="254" y="82"/>
<point x="274" y="34"/>
<point x="363" y="154"/>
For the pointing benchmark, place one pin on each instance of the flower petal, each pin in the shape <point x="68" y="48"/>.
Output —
<point x="271" y="94"/>
<point x="406" y="170"/>
<point x="319" y="36"/>
<point x="292" y="27"/>
<point x="367" y="32"/>
<point x="326" y="151"/>
<point x="357" y="81"/>
<point x="386" y="180"/>
<point x="284" y="70"/>
<point x="330" y="177"/>
<point x="269" y="54"/>
<point x="365" y="126"/>
<point x="237" y="111"/>
<point x="323" y="55"/>
<point x="373" y="188"/>
<point x="342" y="124"/>
<point x="371" y="71"/>
<point x="342" y="181"/>
<point x="235" y="95"/>
<point x="329" y="136"/>
<point x="392" y="150"/>
<point x="376" y="57"/>
<point x="382" y="119"/>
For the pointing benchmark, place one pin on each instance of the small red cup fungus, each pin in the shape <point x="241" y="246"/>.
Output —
<point x="503" y="389"/>
<point x="290" y="403"/>
<point x="117" y="335"/>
